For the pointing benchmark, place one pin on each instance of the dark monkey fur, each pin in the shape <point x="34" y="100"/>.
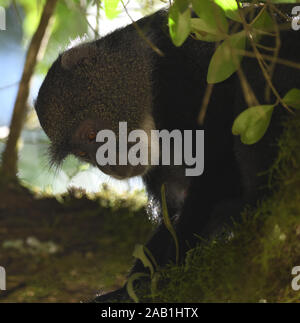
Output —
<point x="96" y="85"/>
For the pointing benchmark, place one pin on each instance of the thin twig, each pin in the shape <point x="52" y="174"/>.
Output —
<point x="270" y="49"/>
<point x="270" y="58"/>
<point x="260" y="60"/>
<point x="205" y="101"/>
<point x="9" y="85"/>
<point x="98" y="19"/>
<point x="141" y="33"/>
<point x="275" y="55"/>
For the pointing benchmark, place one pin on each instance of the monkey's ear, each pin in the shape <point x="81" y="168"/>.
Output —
<point x="76" y="54"/>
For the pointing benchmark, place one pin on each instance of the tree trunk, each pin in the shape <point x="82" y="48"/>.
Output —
<point x="39" y="40"/>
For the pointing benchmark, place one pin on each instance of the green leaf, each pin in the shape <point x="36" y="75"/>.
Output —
<point x="225" y="61"/>
<point x="182" y="5"/>
<point x="110" y="8"/>
<point x="5" y="3"/>
<point x="154" y="283"/>
<point x="212" y="14"/>
<point x="231" y="9"/>
<point x="201" y="25"/>
<point x="129" y="285"/>
<point x="253" y="123"/>
<point x="205" y="32"/>
<point x="139" y="253"/>
<point x="263" y="21"/>
<point x="292" y="98"/>
<point x="179" y="24"/>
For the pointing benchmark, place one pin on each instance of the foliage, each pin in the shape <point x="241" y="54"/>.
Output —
<point x="179" y="22"/>
<point x="64" y="30"/>
<point x="111" y="8"/>
<point x="212" y="25"/>
<point x="145" y="256"/>
<point x="252" y="123"/>
<point x="225" y="62"/>
<point x="49" y="263"/>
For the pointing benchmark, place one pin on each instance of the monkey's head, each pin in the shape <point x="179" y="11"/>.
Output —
<point x="93" y="87"/>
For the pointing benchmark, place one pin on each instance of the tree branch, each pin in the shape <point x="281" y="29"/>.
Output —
<point x="10" y="154"/>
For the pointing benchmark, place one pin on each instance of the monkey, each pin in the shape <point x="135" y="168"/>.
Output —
<point x="120" y="78"/>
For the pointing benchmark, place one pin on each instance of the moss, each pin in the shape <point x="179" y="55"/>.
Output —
<point x="61" y="249"/>
<point x="253" y="262"/>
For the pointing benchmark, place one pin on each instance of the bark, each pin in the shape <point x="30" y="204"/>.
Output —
<point x="38" y="42"/>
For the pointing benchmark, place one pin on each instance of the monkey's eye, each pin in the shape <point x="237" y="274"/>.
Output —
<point x="92" y="136"/>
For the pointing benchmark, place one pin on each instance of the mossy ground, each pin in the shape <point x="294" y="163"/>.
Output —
<point x="68" y="248"/>
<point x="254" y="262"/>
